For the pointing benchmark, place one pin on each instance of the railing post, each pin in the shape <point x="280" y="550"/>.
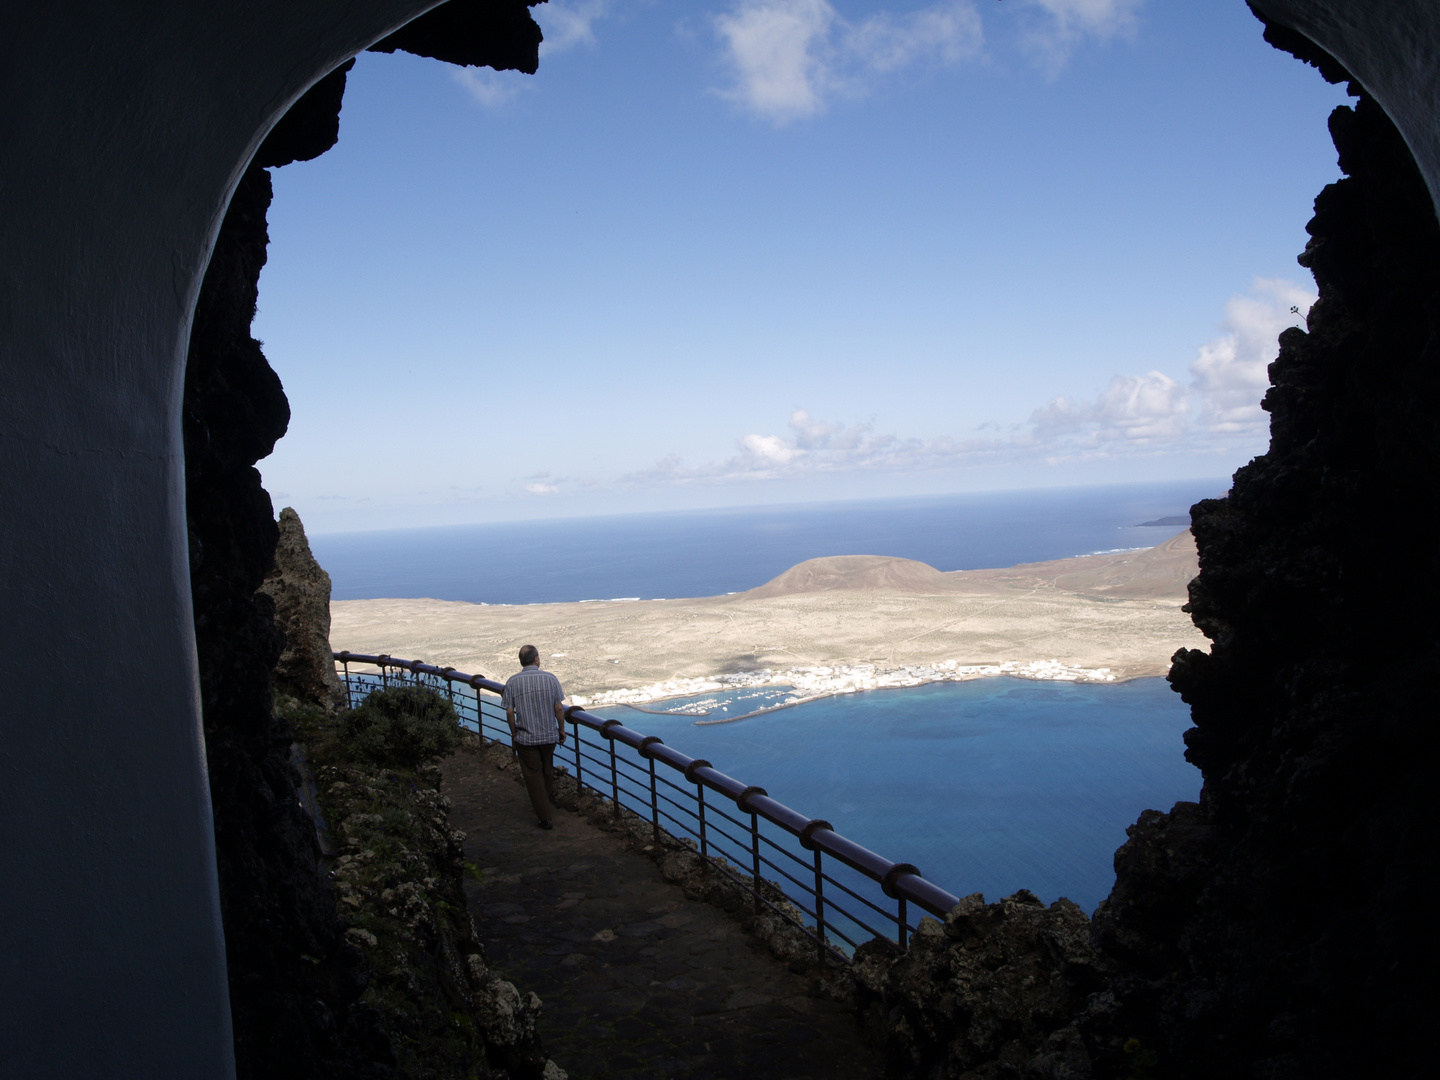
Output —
<point x="819" y="911"/>
<point x="700" y="798"/>
<point x="479" y="713"/>
<point x="614" y="781"/>
<point x="887" y="886"/>
<point x="349" y="702"/>
<point x="579" y="782"/>
<point x="700" y="763"/>
<point x="755" y="858"/>
<point x="654" y="806"/>
<point x="645" y="744"/>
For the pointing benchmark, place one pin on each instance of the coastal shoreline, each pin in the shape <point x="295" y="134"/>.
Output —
<point x="819" y="683"/>
<point x="828" y="626"/>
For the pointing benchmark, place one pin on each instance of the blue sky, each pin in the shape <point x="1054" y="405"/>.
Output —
<point x="751" y="251"/>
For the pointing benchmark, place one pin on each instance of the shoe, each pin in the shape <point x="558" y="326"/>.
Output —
<point x="547" y="824"/>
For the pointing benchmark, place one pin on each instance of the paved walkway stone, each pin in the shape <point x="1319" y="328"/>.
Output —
<point x="637" y="980"/>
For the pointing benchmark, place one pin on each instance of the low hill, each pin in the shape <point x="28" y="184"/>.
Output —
<point x="1157" y="573"/>
<point x="856" y="573"/>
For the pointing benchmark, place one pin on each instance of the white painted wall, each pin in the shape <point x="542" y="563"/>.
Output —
<point x="1393" y="48"/>
<point x="123" y="130"/>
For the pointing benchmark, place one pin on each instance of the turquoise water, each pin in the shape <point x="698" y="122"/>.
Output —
<point x="987" y="786"/>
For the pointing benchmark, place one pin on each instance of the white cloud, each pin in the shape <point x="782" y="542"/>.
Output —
<point x="1230" y="375"/>
<point x="947" y="32"/>
<point x="1221" y="404"/>
<point x="773" y="46"/>
<point x="490" y="88"/>
<point x="1135" y="408"/>
<point x="788" y="58"/>
<point x="769" y="450"/>
<point x="1135" y="415"/>
<point x="812" y="446"/>
<point x="567" y="23"/>
<point x="1060" y="24"/>
<point x="541" y="489"/>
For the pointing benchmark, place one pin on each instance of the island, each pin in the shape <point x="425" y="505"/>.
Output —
<point x="825" y="626"/>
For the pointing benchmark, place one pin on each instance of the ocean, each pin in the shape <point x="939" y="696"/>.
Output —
<point x="988" y="786"/>
<point x="707" y="553"/>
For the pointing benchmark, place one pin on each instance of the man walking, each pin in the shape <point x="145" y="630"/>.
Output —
<point x="532" y="709"/>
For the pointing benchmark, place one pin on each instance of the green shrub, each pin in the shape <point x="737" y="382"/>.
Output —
<point x="402" y="727"/>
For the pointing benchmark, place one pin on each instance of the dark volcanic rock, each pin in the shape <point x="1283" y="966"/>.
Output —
<point x="300" y="589"/>
<point x="1279" y="928"/>
<point x="1287" y="908"/>
<point x="481" y="33"/>
<point x="992" y="993"/>
<point x="294" y="981"/>
<point x="292" y="977"/>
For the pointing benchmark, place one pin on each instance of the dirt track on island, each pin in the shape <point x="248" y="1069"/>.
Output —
<point x="1119" y="611"/>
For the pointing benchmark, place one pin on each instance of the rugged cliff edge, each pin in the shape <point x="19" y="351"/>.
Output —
<point x="300" y="588"/>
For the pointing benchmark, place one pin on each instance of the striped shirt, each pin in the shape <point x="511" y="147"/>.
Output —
<point x="533" y="694"/>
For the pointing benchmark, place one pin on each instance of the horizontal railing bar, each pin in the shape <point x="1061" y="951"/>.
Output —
<point x="673" y="821"/>
<point x="711" y="807"/>
<point x="777" y="813"/>
<point x="873" y="907"/>
<point x="803" y="886"/>
<point x="830" y="902"/>
<point x="860" y="923"/>
<point x="807" y="931"/>
<point x="831" y="928"/>
<point x="679" y="806"/>
<point x="785" y="851"/>
<point x="739" y="842"/>
<point x="687" y="789"/>
<point x="850" y="917"/>
<point x="897" y="880"/>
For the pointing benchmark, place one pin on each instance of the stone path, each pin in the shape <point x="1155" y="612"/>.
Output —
<point x="637" y="981"/>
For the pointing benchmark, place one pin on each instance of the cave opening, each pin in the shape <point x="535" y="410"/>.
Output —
<point x="1275" y="930"/>
<point x="1238" y="703"/>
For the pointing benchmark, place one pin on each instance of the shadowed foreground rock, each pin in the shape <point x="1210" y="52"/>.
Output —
<point x="994" y="992"/>
<point x="400" y="889"/>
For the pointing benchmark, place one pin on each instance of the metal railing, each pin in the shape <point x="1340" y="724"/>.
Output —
<point x="833" y="903"/>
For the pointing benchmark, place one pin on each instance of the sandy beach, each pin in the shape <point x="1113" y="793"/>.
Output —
<point x="825" y="626"/>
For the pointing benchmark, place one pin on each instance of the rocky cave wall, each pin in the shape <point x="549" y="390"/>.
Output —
<point x="293" y="980"/>
<point x="1300" y="950"/>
